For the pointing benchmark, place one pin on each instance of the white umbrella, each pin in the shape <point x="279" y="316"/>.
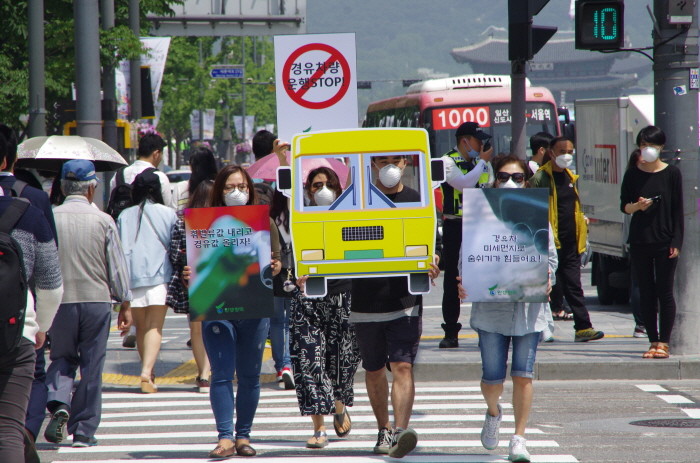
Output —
<point x="49" y="153"/>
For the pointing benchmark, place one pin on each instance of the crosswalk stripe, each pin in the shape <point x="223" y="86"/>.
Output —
<point x="270" y="445"/>
<point x="259" y="434"/>
<point x="290" y="410"/>
<point x="290" y="419"/>
<point x="425" y="458"/>
<point x="291" y="398"/>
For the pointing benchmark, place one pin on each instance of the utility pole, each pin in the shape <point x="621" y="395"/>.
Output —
<point x="135" y="64"/>
<point x="37" y="91"/>
<point x="201" y="95"/>
<point x="524" y="41"/>
<point x="676" y="106"/>
<point x="109" y="82"/>
<point x="87" y="68"/>
<point x="243" y="109"/>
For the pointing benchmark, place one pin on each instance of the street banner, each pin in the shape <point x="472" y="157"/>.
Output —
<point x="316" y="83"/>
<point x="209" y="119"/>
<point x="249" y="127"/>
<point x="505" y="243"/>
<point x="155" y="58"/>
<point x="228" y="249"/>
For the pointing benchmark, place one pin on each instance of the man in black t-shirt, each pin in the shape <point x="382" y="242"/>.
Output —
<point x="388" y="327"/>
<point x="570" y="233"/>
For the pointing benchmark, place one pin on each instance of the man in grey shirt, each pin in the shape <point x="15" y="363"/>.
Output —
<point x="95" y="274"/>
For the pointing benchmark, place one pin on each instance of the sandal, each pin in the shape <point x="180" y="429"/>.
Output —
<point x="651" y="352"/>
<point x="222" y="452"/>
<point x="318" y="441"/>
<point x="342" y="421"/>
<point x="147" y="386"/>
<point x="662" y="351"/>
<point x="563" y="316"/>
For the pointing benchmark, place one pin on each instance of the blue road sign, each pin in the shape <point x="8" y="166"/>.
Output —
<point x="227" y="72"/>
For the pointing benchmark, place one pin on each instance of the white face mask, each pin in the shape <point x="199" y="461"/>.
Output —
<point x="650" y="153"/>
<point x="564" y="161"/>
<point x="390" y="175"/>
<point x="324" y="197"/>
<point x="511" y="184"/>
<point x="236" y="198"/>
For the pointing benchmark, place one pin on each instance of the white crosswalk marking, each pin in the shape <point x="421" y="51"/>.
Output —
<point x="178" y="426"/>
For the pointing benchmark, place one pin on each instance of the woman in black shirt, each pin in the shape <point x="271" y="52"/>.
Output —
<point x="652" y="194"/>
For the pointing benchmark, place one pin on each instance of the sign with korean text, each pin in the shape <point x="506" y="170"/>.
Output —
<point x="227" y="71"/>
<point x="228" y="249"/>
<point x="505" y="244"/>
<point x="316" y="83"/>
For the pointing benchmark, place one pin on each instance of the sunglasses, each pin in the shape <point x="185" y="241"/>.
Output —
<point x="319" y="185"/>
<point x="504" y="176"/>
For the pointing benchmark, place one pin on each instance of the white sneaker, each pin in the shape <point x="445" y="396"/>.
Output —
<point x="517" y="451"/>
<point x="489" y="433"/>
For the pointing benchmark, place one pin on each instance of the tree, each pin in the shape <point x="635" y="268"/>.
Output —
<point x="116" y="45"/>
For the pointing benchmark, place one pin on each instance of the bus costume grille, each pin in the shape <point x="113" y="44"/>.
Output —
<point x="372" y="233"/>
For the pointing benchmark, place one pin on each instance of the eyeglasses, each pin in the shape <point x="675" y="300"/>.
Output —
<point x="242" y="187"/>
<point x="319" y="185"/>
<point x="517" y="177"/>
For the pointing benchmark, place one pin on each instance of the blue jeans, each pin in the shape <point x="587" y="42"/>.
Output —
<point x="494" y="355"/>
<point x="279" y="333"/>
<point x="235" y="346"/>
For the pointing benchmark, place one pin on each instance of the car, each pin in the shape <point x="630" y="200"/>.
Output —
<point x="179" y="175"/>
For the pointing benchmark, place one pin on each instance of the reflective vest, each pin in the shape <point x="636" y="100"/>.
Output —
<point x="451" y="198"/>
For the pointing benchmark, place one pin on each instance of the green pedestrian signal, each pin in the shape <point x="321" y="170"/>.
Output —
<point x="600" y="24"/>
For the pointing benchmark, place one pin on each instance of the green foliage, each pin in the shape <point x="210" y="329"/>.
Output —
<point x="59" y="50"/>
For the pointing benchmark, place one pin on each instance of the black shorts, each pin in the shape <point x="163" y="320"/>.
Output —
<point x="392" y="341"/>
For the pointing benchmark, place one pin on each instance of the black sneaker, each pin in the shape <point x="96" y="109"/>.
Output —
<point x="83" y="441"/>
<point x="385" y="439"/>
<point x="56" y="429"/>
<point x="448" y="342"/>
<point x="405" y="440"/>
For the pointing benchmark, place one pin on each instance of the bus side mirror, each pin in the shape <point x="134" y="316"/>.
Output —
<point x="284" y="180"/>
<point x="437" y="170"/>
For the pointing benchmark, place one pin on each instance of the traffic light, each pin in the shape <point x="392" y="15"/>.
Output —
<point x="524" y="39"/>
<point x="600" y="24"/>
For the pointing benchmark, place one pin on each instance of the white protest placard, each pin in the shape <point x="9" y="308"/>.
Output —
<point x="316" y="83"/>
<point x="505" y="243"/>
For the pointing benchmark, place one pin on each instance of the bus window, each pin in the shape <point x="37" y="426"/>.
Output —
<point x="381" y="170"/>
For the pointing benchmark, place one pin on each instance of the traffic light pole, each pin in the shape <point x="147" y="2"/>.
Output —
<point x="676" y="107"/>
<point x="87" y="69"/>
<point x="518" y="77"/>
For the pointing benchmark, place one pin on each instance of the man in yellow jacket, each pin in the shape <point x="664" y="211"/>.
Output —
<point x="570" y="232"/>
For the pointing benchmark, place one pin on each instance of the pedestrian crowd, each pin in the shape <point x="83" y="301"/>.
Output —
<point x="79" y="262"/>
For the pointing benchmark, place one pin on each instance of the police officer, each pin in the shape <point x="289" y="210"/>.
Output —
<point x="467" y="166"/>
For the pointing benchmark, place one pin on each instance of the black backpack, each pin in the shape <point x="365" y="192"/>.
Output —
<point x="120" y="198"/>
<point x="13" y="280"/>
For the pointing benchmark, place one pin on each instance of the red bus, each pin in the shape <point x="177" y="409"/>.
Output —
<point x="441" y="105"/>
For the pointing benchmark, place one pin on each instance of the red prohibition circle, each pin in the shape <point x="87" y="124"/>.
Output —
<point x="298" y="96"/>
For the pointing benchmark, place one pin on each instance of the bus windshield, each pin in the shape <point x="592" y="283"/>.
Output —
<point x="356" y="181"/>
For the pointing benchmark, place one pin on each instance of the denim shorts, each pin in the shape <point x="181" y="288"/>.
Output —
<point x="494" y="355"/>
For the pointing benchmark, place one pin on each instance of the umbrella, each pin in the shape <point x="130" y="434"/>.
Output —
<point x="49" y="153"/>
<point x="266" y="167"/>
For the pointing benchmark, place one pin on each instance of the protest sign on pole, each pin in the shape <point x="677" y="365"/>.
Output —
<point x="316" y="83"/>
<point x="505" y="242"/>
<point x="228" y="249"/>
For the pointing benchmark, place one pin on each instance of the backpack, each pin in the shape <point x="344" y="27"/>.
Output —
<point x="18" y="188"/>
<point x="120" y="198"/>
<point x="13" y="280"/>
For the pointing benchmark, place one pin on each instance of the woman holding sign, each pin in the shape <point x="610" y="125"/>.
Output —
<point x="235" y="346"/>
<point x="500" y="324"/>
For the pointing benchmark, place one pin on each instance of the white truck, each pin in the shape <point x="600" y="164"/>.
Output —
<point x="606" y="129"/>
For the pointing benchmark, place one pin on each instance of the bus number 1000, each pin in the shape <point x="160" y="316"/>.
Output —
<point x="451" y="118"/>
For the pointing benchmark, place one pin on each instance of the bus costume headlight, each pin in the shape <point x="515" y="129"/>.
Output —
<point x="416" y="251"/>
<point x="312" y="254"/>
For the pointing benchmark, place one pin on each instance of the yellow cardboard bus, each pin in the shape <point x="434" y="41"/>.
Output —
<point x="363" y="232"/>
